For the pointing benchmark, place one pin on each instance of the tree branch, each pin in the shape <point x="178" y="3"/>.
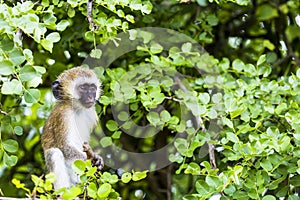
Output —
<point x="3" y="112"/>
<point x="89" y="5"/>
<point x="211" y="147"/>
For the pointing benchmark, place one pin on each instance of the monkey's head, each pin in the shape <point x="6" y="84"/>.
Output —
<point x="79" y="85"/>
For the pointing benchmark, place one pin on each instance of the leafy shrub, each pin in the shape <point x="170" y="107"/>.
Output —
<point x="234" y="109"/>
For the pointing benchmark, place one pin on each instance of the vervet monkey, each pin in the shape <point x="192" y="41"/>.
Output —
<point x="67" y="130"/>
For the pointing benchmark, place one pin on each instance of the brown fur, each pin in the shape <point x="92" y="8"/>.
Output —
<point x="60" y="140"/>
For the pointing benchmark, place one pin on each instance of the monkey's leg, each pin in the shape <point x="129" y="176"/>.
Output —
<point x="55" y="162"/>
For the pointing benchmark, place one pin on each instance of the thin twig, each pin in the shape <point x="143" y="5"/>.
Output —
<point x="211" y="147"/>
<point x="3" y="112"/>
<point x="89" y="5"/>
<point x="19" y="35"/>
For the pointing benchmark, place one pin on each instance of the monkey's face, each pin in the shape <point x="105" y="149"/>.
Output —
<point x="79" y="86"/>
<point x="87" y="94"/>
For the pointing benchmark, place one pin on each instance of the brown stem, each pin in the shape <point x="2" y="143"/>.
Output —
<point x="211" y="147"/>
<point x="89" y="5"/>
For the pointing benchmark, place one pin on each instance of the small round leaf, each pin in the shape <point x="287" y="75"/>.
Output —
<point x="10" y="145"/>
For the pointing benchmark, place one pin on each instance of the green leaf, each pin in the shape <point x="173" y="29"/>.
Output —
<point x="32" y="95"/>
<point x="292" y="32"/>
<point x="71" y="13"/>
<point x="266" y="165"/>
<point x="153" y="118"/>
<point x="40" y="69"/>
<point x="204" y="97"/>
<point x="264" y="70"/>
<point x="237" y="112"/>
<point x="120" y="13"/>
<point x="181" y="145"/>
<point x="18" y="130"/>
<point x="129" y="18"/>
<point x="10" y="145"/>
<point x="269" y="197"/>
<point x="113" y="179"/>
<point x="96" y="53"/>
<point x="203" y="188"/>
<point x="37" y="34"/>
<point x="212" y="114"/>
<point x="224" y="64"/>
<point x="250" y="70"/>
<point x="18" y="183"/>
<point x="105" y="100"/>
<point x="126" y="177"/>
<point x="280" y="108"/>
<point x="50" y="20"/>
<point x="62" y="25"/>
<point x="71" y="193"/>
<point x="53" y="37"/>
<point x="156" y="48"/>
<point x="261" y="59"/>
<point x="266" y="12"/>
<point x="269" y="45"/>
<point x="7" y="67"/>
<point x="175" y="158"/>
<point x="28" y="73"/>
<point x="79" y="167"/>
<point x="136" y="176"/>
<point x="193" y="168"/>
<point x="47" y="44"/>
<point x="147" y="36"/>
<point x="92" y="190"/>
<point x="6" y="44"/>
<point x="104" y="190"/>
<point x="232" y="137"/>
<point x="17" y="57"/>
<point x="238" y="65"/>
<point x="116" y="135"/>
<point x="9" y="160"/>
<point x="295" y="180"/>
<point x="12" y="87"/>
<point x="165" y="116"/>
<point x="284" y="144"/>
<point x="123" y="116"/>
<point x="28" y="55"/>
<point x="112" y="125"/>
<point x="217" y="98"/>
<point x="186" y="47"/>
<point x="106" y="141"/>
<point x="230" y="190"/>
<point x="227" y="122"/>
<point x="213" y="181"/>
<point x="51" y="177"/>
<point x="212" y="19"/>
<point x="135" y="5"/>
<point x="147" y="7"/>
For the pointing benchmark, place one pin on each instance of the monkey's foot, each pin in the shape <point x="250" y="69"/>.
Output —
<point x="98" y="162"/>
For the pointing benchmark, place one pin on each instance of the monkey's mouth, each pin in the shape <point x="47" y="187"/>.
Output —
<point x="89" y="104"/>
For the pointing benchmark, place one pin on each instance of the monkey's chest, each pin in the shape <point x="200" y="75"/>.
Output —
<point x="81" y="125"/>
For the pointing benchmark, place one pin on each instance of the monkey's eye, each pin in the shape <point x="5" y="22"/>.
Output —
<point x="83" y="87"/>
<point x="86" y="87"/>
<point x="93" y="87"/>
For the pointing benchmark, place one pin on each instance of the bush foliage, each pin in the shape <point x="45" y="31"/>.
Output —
<point x="231" y="112"/>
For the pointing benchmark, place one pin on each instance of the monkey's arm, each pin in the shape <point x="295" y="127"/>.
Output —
<point x="96" y="159"/>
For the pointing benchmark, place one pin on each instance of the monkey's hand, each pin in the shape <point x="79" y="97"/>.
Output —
<point x="96" y="159"/>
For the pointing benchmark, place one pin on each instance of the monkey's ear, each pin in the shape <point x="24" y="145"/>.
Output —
<point x="57" y="90"/>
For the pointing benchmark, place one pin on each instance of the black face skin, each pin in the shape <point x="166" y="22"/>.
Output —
<point x="87" y="93"/>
